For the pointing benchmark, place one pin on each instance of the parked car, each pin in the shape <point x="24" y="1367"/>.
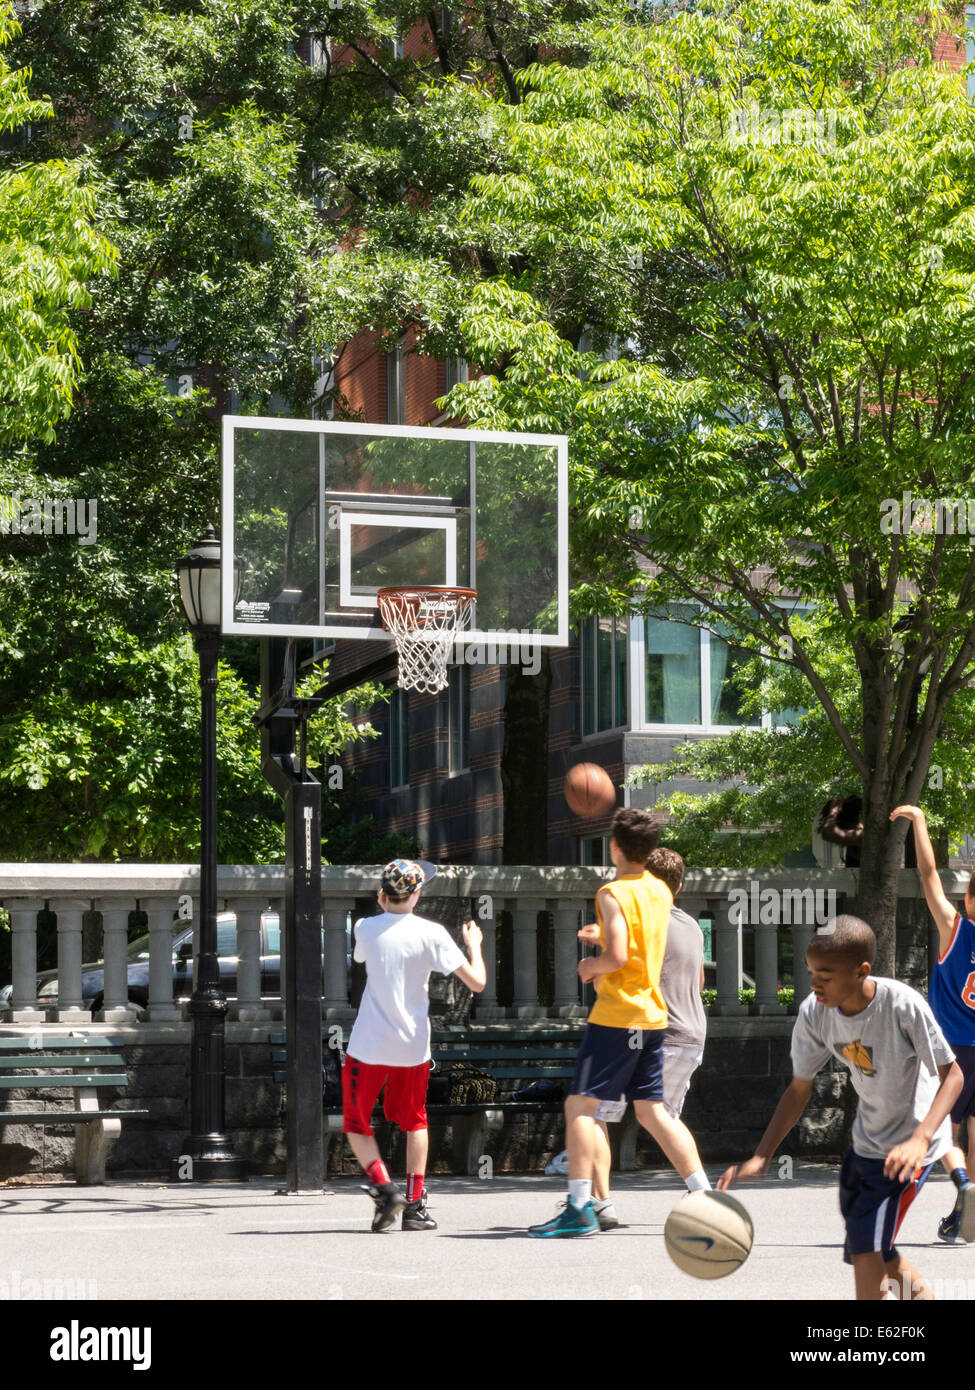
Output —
<point x="93" y="975"/>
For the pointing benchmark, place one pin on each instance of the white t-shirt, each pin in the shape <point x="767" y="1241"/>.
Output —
<point x="400" y="950"/>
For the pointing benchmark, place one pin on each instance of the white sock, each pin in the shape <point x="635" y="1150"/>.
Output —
<point x="697" y="1182"/>
<point x="580" y="1190"/>
<point x="600" y="1202"/>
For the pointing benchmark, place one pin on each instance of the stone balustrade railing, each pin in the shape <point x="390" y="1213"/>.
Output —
<point x="782" y="907"/>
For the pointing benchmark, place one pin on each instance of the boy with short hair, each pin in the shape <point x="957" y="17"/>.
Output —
<point x="620" y="1056"/>
<point x="907" y="1081"/>
<point x="951" y="995"/>
<point x="681" y="982"/>
<point x="390" y="1040"/>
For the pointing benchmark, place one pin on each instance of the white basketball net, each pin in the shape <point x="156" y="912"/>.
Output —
<point x="424" y="623"/>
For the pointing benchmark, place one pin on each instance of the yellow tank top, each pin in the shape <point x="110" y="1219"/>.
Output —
<point x="630" y="997"/>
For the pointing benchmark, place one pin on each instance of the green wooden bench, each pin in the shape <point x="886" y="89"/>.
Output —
<point x="69" y="1063"/>
<point x="513" y="1060"/>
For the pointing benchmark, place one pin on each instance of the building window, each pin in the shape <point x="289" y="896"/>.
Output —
<point x="688" y="675"/>
<point x="594" y="851"/>
<point x="672" y="669"/>
<point x="603" y="643"/>
<point x="399" y="739"/>
<point x="319" y="51"/>
<point x="458" y="720"/>
<point x="456" y="371"/>
<point x="396" y="387"/>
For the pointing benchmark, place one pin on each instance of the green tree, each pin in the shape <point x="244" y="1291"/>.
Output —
<point x="50" y="250"/>
<point x="226" y="170"/>
<point x="790" y="322"/>
<point x="181" y="129"/>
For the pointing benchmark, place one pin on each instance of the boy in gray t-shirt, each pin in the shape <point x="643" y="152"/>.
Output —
<point x="906" y="1078"/>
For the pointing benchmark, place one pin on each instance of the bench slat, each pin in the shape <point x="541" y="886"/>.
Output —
<point x="473" y="1036"/>
<point x="81" y="1042"/>
<point x="34" y="1059"/>
<point x="57" y="1117"/>
<point x="504" y="1054"/>
<point x="77" y="1078"/>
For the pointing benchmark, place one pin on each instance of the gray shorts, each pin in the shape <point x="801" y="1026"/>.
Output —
<point x="680" y="1064"/>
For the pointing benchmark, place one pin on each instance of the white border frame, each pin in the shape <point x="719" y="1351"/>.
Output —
<point x="229" y="423"/>
<point x="347" y="520"/>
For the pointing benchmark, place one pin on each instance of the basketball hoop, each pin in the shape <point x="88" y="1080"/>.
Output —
<point x="424" y="620"/>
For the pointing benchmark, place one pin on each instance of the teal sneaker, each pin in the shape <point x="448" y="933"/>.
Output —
<point x="569" y="1221"/>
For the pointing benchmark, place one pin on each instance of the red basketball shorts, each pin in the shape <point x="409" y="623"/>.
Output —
<point x="404" y="1100"/>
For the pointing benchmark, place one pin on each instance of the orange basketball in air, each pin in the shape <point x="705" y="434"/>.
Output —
<point x="589" y="791"/>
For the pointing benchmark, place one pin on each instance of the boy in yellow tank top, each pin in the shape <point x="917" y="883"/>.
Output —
<point x="620" y="1056"/>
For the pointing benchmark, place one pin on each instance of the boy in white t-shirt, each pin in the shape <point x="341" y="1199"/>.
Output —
<point x="390" y="1040"/>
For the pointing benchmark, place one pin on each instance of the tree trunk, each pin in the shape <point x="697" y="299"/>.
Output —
<point x="880" y="860"/>
<point x="524" y="765"/>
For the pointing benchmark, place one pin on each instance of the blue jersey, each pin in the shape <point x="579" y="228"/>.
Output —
<point x="951" y="993"/>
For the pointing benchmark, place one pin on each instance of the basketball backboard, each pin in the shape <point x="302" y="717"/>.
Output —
<point x="321" y="514"/>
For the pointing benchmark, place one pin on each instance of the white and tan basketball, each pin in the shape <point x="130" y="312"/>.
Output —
<point x="709" y="1234"/>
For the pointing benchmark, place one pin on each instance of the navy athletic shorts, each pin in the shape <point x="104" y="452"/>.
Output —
<point x="873" y="1205"/>
<point x="965" y="1104"/>
<point x="620" y="1063"/>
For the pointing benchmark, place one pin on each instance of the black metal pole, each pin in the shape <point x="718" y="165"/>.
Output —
<point x="208" y="1148"/>
<point x="301" y="984"/>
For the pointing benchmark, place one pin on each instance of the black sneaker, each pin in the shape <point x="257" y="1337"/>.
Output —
<point x="389" y="1202"/>
<point x="416" y="1217"/>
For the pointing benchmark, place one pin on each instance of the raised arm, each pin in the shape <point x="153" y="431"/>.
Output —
<point x="474" y="976"/>
<point x="940" y="908"/>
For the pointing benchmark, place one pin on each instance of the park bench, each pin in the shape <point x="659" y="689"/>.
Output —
<point x="513" y="1060"/>
<point x="69" y="1063"/>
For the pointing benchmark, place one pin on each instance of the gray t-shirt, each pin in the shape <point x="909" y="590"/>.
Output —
<point x="893" y="1049"/>
<point x="680" y="981"/>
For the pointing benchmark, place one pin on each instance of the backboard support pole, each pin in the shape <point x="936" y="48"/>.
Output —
<point x="301" y="985"/>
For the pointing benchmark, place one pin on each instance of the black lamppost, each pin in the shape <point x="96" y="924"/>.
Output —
<point x="208" y="1147"/>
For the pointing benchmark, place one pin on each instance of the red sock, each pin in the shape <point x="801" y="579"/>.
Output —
<point x="414" y="1187"/>
<point x="377" y="1172"/>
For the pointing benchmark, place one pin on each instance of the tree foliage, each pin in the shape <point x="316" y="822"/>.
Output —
<point x="729" y="252"/>
<point x="50" y="251"/>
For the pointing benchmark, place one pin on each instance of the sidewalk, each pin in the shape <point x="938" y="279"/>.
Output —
<point x="168" y="1241"/>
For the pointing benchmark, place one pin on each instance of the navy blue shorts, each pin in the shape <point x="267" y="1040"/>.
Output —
<point x="965" y="1104"/>
<point x="873" y="1206"/>
<point x="620" y="1063"/>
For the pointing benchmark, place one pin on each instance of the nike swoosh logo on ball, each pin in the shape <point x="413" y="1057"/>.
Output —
<point x="705" y="1240"/>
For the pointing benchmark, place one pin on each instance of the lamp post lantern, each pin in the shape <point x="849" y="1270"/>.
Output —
<point x="208" y="1148"/>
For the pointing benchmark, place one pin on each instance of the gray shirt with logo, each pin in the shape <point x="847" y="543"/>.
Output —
<point x="893" y="1049"/>
<point x="680" y="981"/>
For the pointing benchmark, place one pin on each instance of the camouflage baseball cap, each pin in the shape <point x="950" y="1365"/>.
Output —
<point x="404" y="876"/>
